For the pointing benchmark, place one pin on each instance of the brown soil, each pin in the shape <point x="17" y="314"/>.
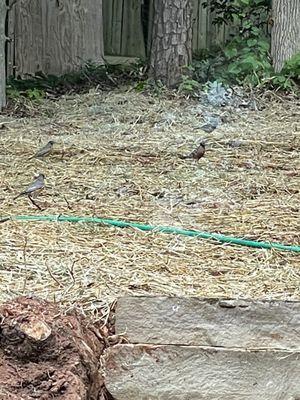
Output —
<point x="45" y="354"/>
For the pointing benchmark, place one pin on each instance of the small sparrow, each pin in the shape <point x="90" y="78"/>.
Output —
<point x="45" y="150"/>
<point x="36" y="186"/>
<point x="197" y="153"/>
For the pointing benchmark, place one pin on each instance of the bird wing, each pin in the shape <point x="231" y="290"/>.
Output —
<point x="43" y="151"/>
<point x="36" y="185"/>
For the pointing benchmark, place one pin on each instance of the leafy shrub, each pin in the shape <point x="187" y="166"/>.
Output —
<point x="245" y="59"/>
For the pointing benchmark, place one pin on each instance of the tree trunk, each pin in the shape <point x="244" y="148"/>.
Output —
<point x="171" y="47"/>
<point x="3" y="10"/>
<point x="285" y="32"/>
<point x="47" y="354"/>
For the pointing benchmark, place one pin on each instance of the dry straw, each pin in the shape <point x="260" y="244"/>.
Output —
<point x="118" y="156"/>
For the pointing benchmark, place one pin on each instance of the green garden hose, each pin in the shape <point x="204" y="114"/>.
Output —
<point x="164" y="229"/>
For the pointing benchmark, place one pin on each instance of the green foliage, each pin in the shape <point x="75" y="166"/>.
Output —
<point x="150" y="86"/>
<point x="40" y="86"/>
<point x="35" y="94"/>
<point x="245" y="59"/>
<point x="292" y="67"/>
<point x="245" y="13"/>
<point x="188" y="85"/>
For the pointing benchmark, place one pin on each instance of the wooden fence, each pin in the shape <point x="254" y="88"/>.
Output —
<point x="53" y="37"/>
<point x="58" y="36"/>
<point x="123" y="28"/>
<point x="127" y="29"/>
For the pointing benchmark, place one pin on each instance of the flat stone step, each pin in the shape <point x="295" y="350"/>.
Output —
<point x="212" y="349"/>
<point x="145" y="372"/>
<point x="209" y="322"/>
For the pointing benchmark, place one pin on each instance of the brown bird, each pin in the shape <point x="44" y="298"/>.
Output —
<point x="45" y="150"/>
<point x="197" y="153"/>
<point x="36" y="186"/>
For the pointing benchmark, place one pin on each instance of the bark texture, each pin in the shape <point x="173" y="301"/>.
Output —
<point x="171" y="47"/>
<point x="3" y="10"/>
<point x="285" y="32"/>
<point x="45" y="354"/>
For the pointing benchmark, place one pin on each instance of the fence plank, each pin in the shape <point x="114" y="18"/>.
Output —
<point x="209" y="322"/>
<point x="3" y="10"/>
<point x="203" y="27"/>
<point x="56" y="37"/>
<point x="10" y="53"/>
<point x="107" y="9"/>
<point x="132" y="40"/>
<point x="117" y="25"/>
<point x="195" y="23"/>
<point x="141" y="372"/>
<point x="150" y="26"/>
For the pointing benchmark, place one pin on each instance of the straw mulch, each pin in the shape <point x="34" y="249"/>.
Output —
<point x="118" y="156"/>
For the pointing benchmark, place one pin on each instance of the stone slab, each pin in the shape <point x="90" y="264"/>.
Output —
<point x="209" y="322"/>
<point x="145" y="372"/>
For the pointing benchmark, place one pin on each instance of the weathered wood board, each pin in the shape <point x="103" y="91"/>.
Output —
<point x="209" y="322"/>
<point x="123" y="30"/>
<point x="145" y="372"/>
<point x="3" y="10"/>
<point x="54" y="37"/>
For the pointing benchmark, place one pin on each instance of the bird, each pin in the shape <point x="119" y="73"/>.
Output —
<point x="45" y="150"/>
<point x="36" y="186"/>
<point x="211" y="125"/>
<point x="197" y="153"/>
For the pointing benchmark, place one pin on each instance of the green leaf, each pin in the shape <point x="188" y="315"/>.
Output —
<point x="246" y="24"/>
<point x="263" y="44"/>
<point x="280" y="78"/>
<point x="231" y="52"/>
<point x="292" y="66"/>
<point x="255" y="31"/>
<point x="251" y="42"/>
<point x="234" y="69"/>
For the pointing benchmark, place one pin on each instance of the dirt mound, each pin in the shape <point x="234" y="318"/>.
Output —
<point x="45" y="354"/>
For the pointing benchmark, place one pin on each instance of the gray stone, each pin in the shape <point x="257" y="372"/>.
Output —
<point x="145" y="372"/>
<point x="209" y="322"/>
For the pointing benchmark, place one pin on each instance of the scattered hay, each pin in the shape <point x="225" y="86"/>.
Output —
<point x="118" y="157"/>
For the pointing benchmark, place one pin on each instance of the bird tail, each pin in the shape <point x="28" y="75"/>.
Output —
<point x="19" y="195"/>
<point x="184" y="157"/>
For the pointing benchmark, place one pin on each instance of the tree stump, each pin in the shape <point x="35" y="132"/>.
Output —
<point x="45" y="354"/>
